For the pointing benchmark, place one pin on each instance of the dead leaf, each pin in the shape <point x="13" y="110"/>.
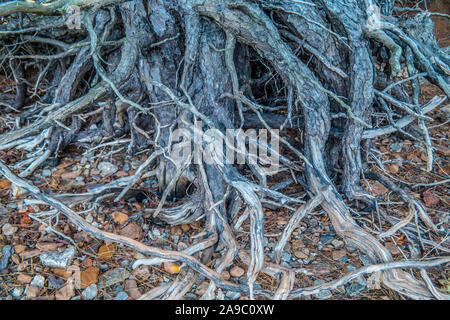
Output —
<point x="62" y="273"/>
<point x="107" y="251"/>
<point x="121" y="173"/>
<point x="171" y="267"/>
<point x="132" y="231"/>
<point x="378" y="189"/>
<point x="119" y="217"/>
<point x="5" y="184"/>
<point x="71" y="175"/>
<point x="393" y="168"/>
<point x="89" y="276"/>
<point x="430" y="198"/>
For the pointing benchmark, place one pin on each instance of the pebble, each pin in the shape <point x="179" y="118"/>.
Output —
<point x="237" y="272"/>
<point x="7" y="251"/>
<point x="286" y="257"/>
<point x="336" y="255"/>
<point x="24" y="278"/>
<point x="220" y="295"/>
<point x="126" y="167"/>
<point x="324" y="294"/>
<point x="104" y="267"/>
<point x="46" y="172"/>
<point x="8" y="229"/>
<point x="90" y="292"/>
<point x="121" y="296"/>
<point x="191" y="295"/>
<point x="354" y="289"/>
<point x="38" y="281"/>
<point x="17" y="292"/>
<point x="54" y="282"/>
<point x="396" y="147"/>
<point x="55" y="259"/>
<point x="233" y="295"/>
<point x="132" y="289"/>
<point x="327" y="237"/>
<point x="113" y="277"/>
<point x="107" y="168"/>
<point x="351" y="249"/>
<point x="32" y="291"/>
<point x="300" y="255"/>
<point x="125" y="263"/>
<point x="337" y="243"/>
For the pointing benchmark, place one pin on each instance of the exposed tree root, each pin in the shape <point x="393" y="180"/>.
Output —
<point x="149" y="68"/>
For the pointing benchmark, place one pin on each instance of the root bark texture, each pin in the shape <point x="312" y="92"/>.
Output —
<point x="149" y="69"/>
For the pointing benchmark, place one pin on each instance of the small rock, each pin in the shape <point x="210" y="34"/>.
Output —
<point x="132" y="289"/>
<point x="351" y="249"/>
<point x="16" y="191"/>
<point x="125" y="263"/>
<point x="237" y="272"/>
<point x="54" y="282"/>
<point x="156" y="233"/>
<point x="32" y="291"/>
<point x="89" y="276"/>
<point x="7" y="251"/>
<point x="191" y="296"/>
<point x="121" y="296"/>
<point x="396" y="147"/>
<point x="354" y="289"/>
<point x="300" y="255"/>
<point x="24" y="278"/>
<point x="336" y="255"/>
<point x="46" y="173"/>
<point x="327" y="237"/>
<point x="19" y="248"/>
<point x="201" y="289"/>
<point x="220" y="295"/>
<point x="8" y="229"/>
<point x="132" y="230"/>
<point x="38" y="281"/>
<point x="430" y="198"/>
<point x="113" y="277"/>
<point x="141" y="272"/>
<point x="104" y="267"/>
<point x="233" y="295"/>
<point x="107" y="168"/>
<point x="324" y="294"/>
<point x="90" y="292"/>
<point x="286" y="257"/>
<point x="55" y="259"/>
<point x="65" y="293"/>
<point x="225" y="275"/>
<point x="337" y="243"/>
<point x="17" y="292"/>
